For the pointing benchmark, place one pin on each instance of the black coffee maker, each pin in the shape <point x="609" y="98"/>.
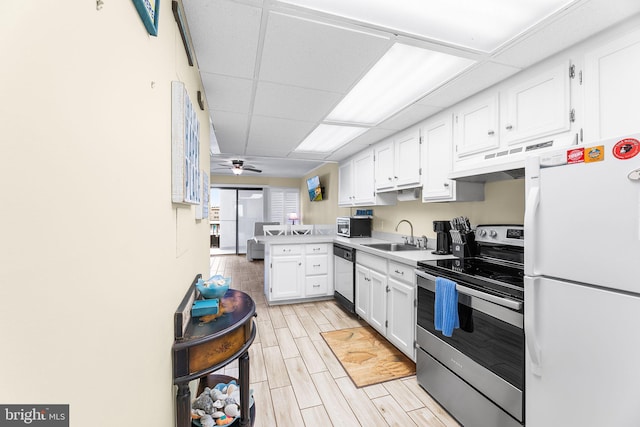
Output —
<point x="443" y="237"/>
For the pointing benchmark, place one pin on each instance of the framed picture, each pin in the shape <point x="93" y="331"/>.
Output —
<point x="149" y="11"/>
<point x="186" y="180"/>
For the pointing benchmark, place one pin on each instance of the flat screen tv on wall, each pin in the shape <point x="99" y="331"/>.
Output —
<point x="315" y="190"/>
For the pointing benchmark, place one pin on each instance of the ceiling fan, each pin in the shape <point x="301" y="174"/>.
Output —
<point x="238" y="166"/>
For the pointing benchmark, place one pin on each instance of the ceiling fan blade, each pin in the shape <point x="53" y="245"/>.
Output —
<point x="252" y="169"/>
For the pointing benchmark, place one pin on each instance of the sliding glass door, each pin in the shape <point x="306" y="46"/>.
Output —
<point x="239" y="210"/>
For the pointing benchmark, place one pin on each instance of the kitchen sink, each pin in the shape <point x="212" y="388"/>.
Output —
<point x="393" y="247"/>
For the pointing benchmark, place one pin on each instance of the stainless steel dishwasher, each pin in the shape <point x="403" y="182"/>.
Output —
<point x="344" y="276"/>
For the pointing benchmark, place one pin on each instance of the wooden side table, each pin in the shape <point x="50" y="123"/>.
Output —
<point x="209" y="343"/>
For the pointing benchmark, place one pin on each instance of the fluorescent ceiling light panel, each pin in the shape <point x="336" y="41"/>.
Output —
<point x="402" y="76"/>
<point x="483" y="25"/>
<point x="328" y="138"/>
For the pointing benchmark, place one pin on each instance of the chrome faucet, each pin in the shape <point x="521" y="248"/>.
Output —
<point x="410" y="225"/>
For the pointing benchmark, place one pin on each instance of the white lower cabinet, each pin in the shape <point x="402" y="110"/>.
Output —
<point x="371" y="297"/>
<point x="401" y="312"/>
<point x="378" y="313"/>
<point x="287" y="276"/>
<point x="298" y="272"/>
<point x="385" y="298"/>
<point x="363" y="291"/>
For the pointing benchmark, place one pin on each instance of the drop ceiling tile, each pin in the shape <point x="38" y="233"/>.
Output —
<point x="225" y="35"/>
<point x="231" y="131"/>
<point x="310" y="54"/>
<point x="277" y="137"/>
<point x="227" y="93"/>
<point x="291" y="102"/>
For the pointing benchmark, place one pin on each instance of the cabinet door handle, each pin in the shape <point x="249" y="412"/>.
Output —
<point x="400" y="272"/>
<point x="509" y="127"/>
<point x="316" y="265"/>
<point x="299" y="263"/>
<point x="316" y="286"/>
<point x="491" y="133"/>
<point x="446" y="184"/>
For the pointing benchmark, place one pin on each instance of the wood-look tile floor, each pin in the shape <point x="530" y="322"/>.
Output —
<point x="296" y="379"/>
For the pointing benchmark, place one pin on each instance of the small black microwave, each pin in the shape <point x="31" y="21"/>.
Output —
<point x="353" y="226"/>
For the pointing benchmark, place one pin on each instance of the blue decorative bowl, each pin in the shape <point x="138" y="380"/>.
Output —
<point x="214" y="287"/>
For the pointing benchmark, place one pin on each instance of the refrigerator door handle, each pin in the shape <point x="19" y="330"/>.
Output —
<point x="531" y="207"/>
<point x="530" y="326"/>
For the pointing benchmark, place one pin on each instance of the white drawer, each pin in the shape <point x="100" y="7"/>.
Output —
<point x="286" y="250"/>
<point x="402" y="272"/>
<point x="316" y="285"/>
<point x="316" y="248"/>
<point x="316" y="264"/>
<point x="371" y="261"/>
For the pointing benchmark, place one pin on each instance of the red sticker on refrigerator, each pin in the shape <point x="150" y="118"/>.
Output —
<point x="575" y="155"/>
<point x="626" y="148"/>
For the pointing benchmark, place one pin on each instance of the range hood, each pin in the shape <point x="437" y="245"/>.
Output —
<point x="496" y="172"/>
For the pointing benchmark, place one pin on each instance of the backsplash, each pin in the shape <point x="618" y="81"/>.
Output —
<point x="503" y="204"/>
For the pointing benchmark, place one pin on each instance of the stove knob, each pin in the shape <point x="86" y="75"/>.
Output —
<point x="493" y="233"/>
<point x="482" y="232"/>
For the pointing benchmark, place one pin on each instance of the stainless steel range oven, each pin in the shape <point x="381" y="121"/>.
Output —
<point x="477" y="374"/>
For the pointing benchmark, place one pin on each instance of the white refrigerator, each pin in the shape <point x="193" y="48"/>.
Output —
<point x="582" y="286"/>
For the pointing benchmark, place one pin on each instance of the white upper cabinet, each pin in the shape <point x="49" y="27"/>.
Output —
<point x="407" y="159"/>
<point x="528" y="114"/>
<point x="363" y="178"/>
<point x="437" y="163"/>
<point x="345" y="184"/>
<point x="384" y="166"/>
<point x="398" y="162"/>
<point x="476" y="125"/>
<point x="537" y="107"/>
<point x="356" y="182"/>
<point x="612" y="88"/>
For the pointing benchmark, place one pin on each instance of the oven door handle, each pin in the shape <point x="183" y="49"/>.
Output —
<point x="504" y="302"/>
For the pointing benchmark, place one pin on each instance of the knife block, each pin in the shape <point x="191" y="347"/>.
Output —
<point x="463" y="244"/>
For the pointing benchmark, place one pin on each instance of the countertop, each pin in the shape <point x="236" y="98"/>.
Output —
<point x="404" y="257"/>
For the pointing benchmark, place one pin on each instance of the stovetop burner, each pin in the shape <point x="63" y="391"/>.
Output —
<point x="497" y="268"/>
<point x="497" y="277"/>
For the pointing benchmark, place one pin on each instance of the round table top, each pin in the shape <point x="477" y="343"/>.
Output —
<point x="235" y="309"/>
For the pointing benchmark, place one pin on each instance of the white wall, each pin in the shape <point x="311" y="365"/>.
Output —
<point x="94" y="258"/>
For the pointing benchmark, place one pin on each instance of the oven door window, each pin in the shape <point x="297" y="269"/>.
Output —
<point x="490" y="342"/>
